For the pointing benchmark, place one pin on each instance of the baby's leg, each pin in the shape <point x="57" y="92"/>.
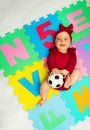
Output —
<point x="75" y="75"/>
<point x="44" y="92"/>
<point x="71" y="79"/>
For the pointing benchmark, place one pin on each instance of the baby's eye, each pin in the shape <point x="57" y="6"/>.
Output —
<point x="59" y="39"/>
<point x="66" y="39"/>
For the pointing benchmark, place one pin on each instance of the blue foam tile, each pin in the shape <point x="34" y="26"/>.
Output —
<point x="52" y="115"/>
<point x="41" y="33"/>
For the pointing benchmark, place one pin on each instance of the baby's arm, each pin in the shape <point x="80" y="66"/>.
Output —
<point x="50" y="60"/>
<point x="73" y="60"/>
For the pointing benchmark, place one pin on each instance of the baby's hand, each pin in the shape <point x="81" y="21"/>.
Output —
<point x="55" y="71"/>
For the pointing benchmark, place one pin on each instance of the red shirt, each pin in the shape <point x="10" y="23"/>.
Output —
<point x="61" y="60"/>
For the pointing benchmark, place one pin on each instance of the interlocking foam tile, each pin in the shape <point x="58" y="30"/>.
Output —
<point x="78" y="15"/>
<point x="27" y="84"/>
<point x="83" y="47"/>
<point x="53" y="115"/>
<point x="78" y="98"/>
<point x="80" y="64"/>
<point x="41" y="33"/>
<point x="16" y="51"/>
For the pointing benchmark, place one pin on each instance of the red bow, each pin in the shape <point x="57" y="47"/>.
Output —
<point x="68" y="29"/>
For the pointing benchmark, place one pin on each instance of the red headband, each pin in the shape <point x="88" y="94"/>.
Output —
<point x="68" y="29"/>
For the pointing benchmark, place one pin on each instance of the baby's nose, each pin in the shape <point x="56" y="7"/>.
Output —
<point x="62" y="40"/>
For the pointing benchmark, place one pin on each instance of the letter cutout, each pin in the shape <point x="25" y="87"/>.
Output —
<point x="82" y="99"/>
<point x="32" y="87"/>
<point x="86" y="46"/>
<point x="49" y="125"/>
<point x="43" y="34"/>
<point x="77" y="28"/>
<point x="10" y="52"/>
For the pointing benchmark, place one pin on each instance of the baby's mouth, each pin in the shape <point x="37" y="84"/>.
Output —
<point x="62" y="45"/>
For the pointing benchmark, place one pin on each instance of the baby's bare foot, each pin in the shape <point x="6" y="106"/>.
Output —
<point x="42" y="101"/>
<point x="68" y="82"/>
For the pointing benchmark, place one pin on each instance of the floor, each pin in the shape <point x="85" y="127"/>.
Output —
<point x="14" y="14"/>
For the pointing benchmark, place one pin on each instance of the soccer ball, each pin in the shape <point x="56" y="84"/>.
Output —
<point x="55" y="80"/>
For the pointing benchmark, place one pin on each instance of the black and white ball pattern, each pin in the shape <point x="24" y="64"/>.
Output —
<point x="55" y="80"/>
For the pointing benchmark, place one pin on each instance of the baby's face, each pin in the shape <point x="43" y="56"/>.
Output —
<point x="62" y="41"/>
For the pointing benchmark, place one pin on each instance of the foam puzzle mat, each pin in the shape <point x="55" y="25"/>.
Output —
<point x="23" y="56"/>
